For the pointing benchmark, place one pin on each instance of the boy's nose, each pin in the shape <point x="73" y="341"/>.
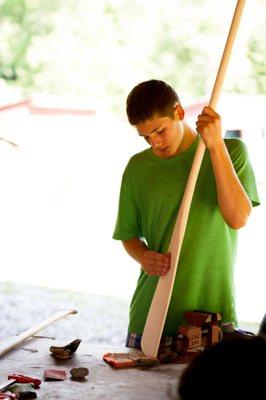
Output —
<point x="155" y="142"/>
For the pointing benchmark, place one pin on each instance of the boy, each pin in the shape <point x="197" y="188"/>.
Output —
<point x="151" y="192"/>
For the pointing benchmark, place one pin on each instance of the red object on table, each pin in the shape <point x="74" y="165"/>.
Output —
<point x="25" y="379"/>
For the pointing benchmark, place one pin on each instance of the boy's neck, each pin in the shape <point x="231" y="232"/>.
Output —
<point x="190" y="135"/>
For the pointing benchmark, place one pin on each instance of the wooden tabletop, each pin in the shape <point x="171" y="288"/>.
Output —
<point x="103" y="382"/>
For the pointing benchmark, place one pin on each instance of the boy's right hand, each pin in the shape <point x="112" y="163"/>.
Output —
<point x="155" y="264"/>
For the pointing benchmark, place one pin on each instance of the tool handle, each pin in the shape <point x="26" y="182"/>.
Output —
<point x="25" y="379"/>
<point x="14" y="341"/>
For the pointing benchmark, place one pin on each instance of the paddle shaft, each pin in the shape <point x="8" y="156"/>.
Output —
<point x="158" y="310"/>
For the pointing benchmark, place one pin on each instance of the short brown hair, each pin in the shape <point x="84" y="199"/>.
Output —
<point x="150" y="98"/>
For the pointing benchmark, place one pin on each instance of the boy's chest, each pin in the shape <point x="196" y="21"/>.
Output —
<point x="163" y="188"/>
<point x="159" y="186"/>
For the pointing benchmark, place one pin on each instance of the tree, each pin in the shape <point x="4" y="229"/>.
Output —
<point x="257" y="56"/>
<point x="102" y="48"/>
<point x="21" y="22"/>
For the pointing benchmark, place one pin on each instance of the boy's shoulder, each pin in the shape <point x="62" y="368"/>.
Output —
<point x="137" y="163"/>
<point x="234" y="142"/>
<point x="139" y="157"/>
<point x="235" y="145"/>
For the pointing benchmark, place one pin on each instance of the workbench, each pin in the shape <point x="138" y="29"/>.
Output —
<point x="32" y="357"/>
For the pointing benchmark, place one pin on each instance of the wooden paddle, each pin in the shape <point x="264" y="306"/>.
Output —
<point x="8" y="344"/>
<point x="158" y="310"/>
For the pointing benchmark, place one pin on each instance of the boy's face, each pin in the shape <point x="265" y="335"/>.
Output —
<point x="164" y="134"/>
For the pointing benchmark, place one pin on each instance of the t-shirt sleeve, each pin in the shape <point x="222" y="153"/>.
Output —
<point x="127" y="222"/>
<point x="240" y="158"/>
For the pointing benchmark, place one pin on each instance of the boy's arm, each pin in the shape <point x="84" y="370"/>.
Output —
<point x="151" y="262"/>
<point x="233" y="201"/>
<point x="232" y="198"/>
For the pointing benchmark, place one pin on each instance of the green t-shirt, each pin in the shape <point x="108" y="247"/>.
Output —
<point x="151" y="193"/>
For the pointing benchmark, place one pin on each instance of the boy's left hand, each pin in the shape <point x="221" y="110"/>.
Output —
<point x="209" y="127"/>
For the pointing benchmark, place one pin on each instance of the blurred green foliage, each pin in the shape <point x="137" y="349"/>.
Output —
<point x="101" y="48"/>
<point x="257" y="56"/>
<point x="21" y="21"/>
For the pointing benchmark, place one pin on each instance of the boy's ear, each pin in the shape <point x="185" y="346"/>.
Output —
<point x="179" y="112"/>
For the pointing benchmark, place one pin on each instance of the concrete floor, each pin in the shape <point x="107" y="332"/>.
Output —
<point x="103" y="382"/>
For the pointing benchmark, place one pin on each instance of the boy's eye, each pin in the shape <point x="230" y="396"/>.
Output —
<point x="160" y="131"/>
